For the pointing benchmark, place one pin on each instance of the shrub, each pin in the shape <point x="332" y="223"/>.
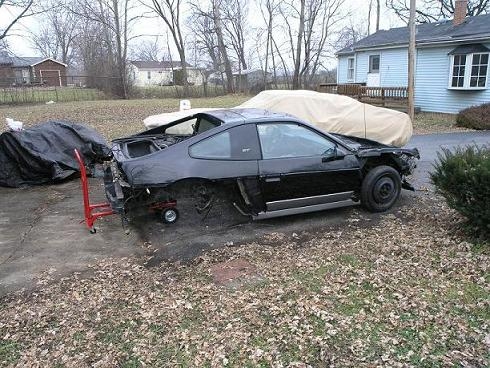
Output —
<point x="475" y="117"/>
<point x="463" y="178"/>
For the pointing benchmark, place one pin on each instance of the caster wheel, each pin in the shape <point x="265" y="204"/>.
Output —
<point x="170" y="215"/>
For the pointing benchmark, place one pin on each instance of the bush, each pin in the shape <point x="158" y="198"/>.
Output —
<point x="475" y="117"/>
<point x="463" y="178"/>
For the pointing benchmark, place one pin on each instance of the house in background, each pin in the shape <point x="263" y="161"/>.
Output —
<point x="452" y="62"/>
<point x="18" y="71"/>
<point x="250" y="80"/>
<point x="163" y="73"/>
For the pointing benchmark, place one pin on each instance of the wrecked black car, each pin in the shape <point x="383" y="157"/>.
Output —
<point x="266" y="164"/>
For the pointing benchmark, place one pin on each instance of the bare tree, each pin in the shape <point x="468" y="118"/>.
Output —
<point x="350" y="34"/>
<point x="113" y="21"/>
<point x="308" y="36"/>
<point x="378" y="14"/>
<point x="204" y="38"/>
<point x="58" y="31"/>
<point x="270" y="10"/>
<point x="170" y="12"/>
<point x="434" y="10"/>
<point x="235" y="13"/>
<point x="151" y="50"/>
<point x="218" y="27"/>
<point x="19" y="8"/>
<point x="213" y="11"/>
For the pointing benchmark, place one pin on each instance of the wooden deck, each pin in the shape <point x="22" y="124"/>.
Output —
<point x="392" y="97"/>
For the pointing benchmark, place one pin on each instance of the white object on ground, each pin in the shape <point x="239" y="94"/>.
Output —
<point x="13" y="125"/>
<point x="50" y="102"/>
<point x="185" y="105"/>
<point x="329" y="112"/>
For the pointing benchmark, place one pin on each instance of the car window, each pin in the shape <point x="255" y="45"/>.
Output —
<point x="215" y="147"/>
<point x="184" y="128"/>
<point x="280" y="140"/>
<point x="238" y="143"/>
<point x="244" y="142"/>
<point x="204" y="124"/>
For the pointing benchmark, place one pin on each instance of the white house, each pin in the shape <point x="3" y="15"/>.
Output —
<point x="163" y="73"/>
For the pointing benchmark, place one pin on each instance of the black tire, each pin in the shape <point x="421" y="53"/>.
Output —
<point x="170" y="215"/>
<point x="380" y="189"/>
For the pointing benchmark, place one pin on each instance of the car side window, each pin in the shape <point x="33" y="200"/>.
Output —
<point x="283" y="140"/>
<point x="215" y="147"/>
<point x="239" y="143"/>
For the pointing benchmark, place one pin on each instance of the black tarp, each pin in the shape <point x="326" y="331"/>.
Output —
<point x="45" y="153"/>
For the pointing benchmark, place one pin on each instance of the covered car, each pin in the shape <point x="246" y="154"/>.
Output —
<point x="45" y="153"/>
<point x="329" y="112"/>
<point x="269" y="164"/>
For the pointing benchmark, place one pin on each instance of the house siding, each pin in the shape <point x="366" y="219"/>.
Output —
<point x="393" y="67"/>
<point x="432" y="79"/>
<point x="164" y="77"/>
<point x="432" y="71"/>
<point x="50" y="72"/>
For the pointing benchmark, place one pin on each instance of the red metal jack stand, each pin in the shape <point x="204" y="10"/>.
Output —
<point x="104" y="208"/>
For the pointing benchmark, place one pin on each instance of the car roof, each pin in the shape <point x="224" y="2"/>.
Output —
<point x="230" y="116"/>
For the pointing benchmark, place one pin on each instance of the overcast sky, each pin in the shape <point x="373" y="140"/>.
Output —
<point x="20" y="45"/>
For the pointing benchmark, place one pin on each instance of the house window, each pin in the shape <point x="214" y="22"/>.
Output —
<point x="479" y="69"/>
<point x="459" y="65"/>
<point x="373" y="63"/>
<point x="350" y="69"/>
<point x="148" y="74"/>
<point x="469" y="71"/>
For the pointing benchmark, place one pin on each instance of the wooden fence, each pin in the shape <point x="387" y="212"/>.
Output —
<point x="381" y="96"/>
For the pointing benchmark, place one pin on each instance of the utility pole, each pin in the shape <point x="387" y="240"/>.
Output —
<point x="411" y="63"/>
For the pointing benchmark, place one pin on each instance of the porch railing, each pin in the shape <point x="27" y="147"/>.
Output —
<point x="384" y="96"/>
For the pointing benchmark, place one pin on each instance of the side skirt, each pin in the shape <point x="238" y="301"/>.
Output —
<point x="305" y="209"/>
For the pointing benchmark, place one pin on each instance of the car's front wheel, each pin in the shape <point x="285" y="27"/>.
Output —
<point x="380" y="189"/>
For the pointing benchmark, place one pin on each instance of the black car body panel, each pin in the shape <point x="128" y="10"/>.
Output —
<point x="268" y="174"/>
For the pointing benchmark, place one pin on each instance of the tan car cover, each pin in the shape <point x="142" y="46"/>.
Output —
<point x="338" y="114"/>
<point x="328" y="112"/>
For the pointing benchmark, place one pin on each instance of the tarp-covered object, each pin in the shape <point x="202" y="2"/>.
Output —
<point x="329" y="112"/>
<point x="338" y="114"/>
<point x="45" y="153"/>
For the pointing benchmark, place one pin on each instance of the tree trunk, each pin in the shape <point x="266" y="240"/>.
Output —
<point x="297" y="63"/>
<point x="222" y="47"/>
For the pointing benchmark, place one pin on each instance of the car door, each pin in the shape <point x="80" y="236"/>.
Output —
<point x="300" y="166"/>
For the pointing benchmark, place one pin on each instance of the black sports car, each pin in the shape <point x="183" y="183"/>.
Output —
<point x="267" y="164"/>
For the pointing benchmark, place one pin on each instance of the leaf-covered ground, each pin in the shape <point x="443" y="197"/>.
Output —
<point x="117" y="118"/>
<point x="405" y="291"/>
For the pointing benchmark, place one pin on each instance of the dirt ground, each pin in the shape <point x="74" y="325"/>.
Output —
<point x="334" y="288"/>
<point x="41" y="232"/>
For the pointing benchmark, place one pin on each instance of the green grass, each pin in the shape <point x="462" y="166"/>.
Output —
<point x="9" y="351"/>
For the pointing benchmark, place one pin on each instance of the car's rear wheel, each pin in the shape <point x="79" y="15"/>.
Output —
<point x="381" y="188"/>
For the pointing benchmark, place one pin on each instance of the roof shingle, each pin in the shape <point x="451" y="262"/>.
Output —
<point x="471" y="28"/>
